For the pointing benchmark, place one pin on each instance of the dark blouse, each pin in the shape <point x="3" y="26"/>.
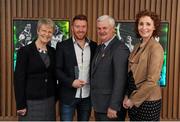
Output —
<point x="131" y="84"/>
<point x="45" y="57"/>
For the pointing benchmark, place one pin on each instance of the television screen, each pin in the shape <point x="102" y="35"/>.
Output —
<point x="125" y="32"/>
<point x="25" y="31"/>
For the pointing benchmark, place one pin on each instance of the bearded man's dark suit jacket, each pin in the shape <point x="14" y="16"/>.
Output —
<point x="65" y="69"/>
<point x="109" y="77"/>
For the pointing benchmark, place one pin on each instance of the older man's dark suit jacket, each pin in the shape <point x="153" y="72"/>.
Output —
<point x="65" y="68"/>
<point x="109" y="77"/>
<point x="32" y="79"/>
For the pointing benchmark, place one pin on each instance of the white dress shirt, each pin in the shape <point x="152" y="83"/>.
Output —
<point x="83" y="60"/>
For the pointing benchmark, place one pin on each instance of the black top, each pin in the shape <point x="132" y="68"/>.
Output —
<point x="32" y="79"/>
<point x="131" y="84"/>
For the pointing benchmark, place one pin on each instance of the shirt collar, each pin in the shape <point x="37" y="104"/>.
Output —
<point x="106" y="43"/>
<point x="86" y="40"/>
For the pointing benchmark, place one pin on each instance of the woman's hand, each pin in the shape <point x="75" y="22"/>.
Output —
<point x="124" y="102"/>
<point x="22" y="112"/>
<point x="127" y="103"/>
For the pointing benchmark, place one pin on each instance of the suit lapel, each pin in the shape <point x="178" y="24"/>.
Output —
<point x="92" y="50"/>
<point x="72" y="52"/>
<point x="138" y="51"/>
<point x="135" y="54"/>
<point x="51" y="56"/>
<point x="93" y="66"/>
<point x="37" y="55"/>
<point x="106" y="50"/>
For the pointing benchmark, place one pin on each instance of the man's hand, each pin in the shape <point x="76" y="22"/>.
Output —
<point x="78" y="83"/>
<point x="22" y="112"/>
<point x="112" y="114"/>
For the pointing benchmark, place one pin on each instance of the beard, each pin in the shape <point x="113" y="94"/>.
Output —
<point x="80" y="36"/>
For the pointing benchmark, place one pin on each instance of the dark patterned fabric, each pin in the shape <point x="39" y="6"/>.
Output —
<point x="131" y="84"/>
<point x="148" y="111"/>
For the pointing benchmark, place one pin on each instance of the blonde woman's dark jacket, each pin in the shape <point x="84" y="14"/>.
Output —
<point x="32" y="80"/>
<point x="146" y="65"/>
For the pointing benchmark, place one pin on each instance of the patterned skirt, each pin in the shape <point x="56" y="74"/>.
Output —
<point x="148" y="111"/>
<point x="40" y="110"/>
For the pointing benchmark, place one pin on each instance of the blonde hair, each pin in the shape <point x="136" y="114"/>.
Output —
<point x="46" y="21"/>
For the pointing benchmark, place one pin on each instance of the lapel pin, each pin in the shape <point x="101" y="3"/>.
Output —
<point x="103" y="55"/>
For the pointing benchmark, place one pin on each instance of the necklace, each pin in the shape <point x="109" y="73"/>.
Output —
<point x="42" y="50"/>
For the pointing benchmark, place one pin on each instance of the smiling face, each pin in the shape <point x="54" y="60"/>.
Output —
<point x="146" y="27"/>
<point x="79" y="29"/>
<point x="45" y="33"/>
<point x="105" y="30"/>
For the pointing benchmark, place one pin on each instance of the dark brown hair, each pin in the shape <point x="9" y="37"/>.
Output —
<point x="79" y="17"/>
<point x="154" y="17"/>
